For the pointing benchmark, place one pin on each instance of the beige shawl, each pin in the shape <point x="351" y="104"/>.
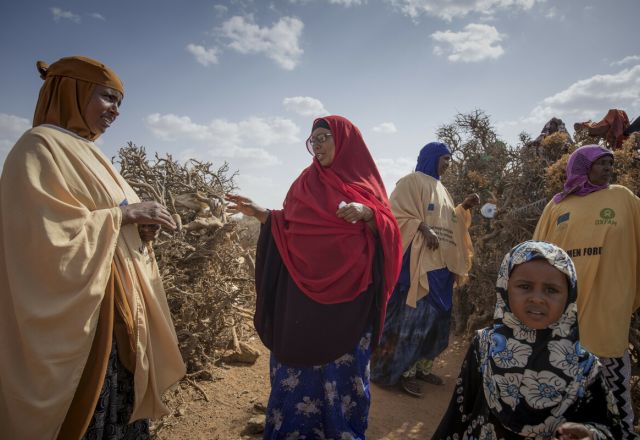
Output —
<point x="420" y="198"/>
<point x="60" y="232"/>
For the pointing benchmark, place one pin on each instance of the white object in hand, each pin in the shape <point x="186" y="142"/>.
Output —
<point x="488" y="210"/>
<point x="342" y="205"/>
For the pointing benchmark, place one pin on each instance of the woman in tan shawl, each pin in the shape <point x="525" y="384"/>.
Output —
<point x="87" y="346"/>
<point x="437" y="252"/>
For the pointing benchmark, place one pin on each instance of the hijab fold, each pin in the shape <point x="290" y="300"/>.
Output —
<point x="329" y="259"/>
<point x="578" y="167"/>
<point x="531" y="377"/>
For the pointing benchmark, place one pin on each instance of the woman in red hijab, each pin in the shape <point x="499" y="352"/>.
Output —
<point x="325" y="266"/>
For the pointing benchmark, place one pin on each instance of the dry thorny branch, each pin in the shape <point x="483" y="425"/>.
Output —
<point x="207" y="274"/>
<point x="207" y="267"/>
<point x="520" y="181"/>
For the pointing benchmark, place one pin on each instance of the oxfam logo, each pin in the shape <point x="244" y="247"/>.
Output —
<point x="607" y="214"/>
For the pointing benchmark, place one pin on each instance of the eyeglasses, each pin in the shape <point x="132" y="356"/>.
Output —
<point x="317" y="139"/>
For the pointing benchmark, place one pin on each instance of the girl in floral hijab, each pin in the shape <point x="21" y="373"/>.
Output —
<point x="527" y="376"/>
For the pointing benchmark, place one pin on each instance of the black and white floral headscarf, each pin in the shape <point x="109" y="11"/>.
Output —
<point x="531" y="377"/>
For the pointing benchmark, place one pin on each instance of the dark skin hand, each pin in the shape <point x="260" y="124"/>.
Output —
<point x="430" y="236"/>
<point x="148" y="232"/>
<point x="150" y="217"/>
<point x="572" y="431"/>
<point x="354" y="212"/>
<point x="151" y="213"/>
<point x="470" y="201"/>
<point x="246" y="206"/>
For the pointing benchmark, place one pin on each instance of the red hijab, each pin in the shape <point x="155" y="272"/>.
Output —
<point x="329" y="259"/>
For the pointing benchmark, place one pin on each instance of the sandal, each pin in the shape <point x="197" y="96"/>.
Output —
<point x="429" y="378"/>
<point x="410" y="386"/>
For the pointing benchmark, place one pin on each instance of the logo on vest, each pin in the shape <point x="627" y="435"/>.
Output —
<point x="607" y="216"/>
<point x="563" y="218"/>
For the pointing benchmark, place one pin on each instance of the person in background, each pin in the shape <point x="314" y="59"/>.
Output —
<point x="598" y="224"/>
<point x="325" y="266"/>
<point x="87" y="345"/>
<point x="437" y="253"/>
<point x="527" y="375"/>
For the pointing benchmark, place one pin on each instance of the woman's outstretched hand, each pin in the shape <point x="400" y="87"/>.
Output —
<point x="573" y="431"/>
<point x="147" y="213"/>
<point x="246" y="206"/>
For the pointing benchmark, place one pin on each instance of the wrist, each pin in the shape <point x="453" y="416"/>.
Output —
<point x="263" y="215"/>
<point x="125" y="218"/>
<point x="368" y="215"/>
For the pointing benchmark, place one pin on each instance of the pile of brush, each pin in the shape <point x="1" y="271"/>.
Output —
<point x="207" y="267"/>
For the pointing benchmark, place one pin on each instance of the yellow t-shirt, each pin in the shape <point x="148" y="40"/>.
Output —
<point x="418" y="198"/>
<point x="601" y="233"/>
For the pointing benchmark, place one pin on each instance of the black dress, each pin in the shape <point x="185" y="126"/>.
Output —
<point x="301" y="332"/>
<point x="469" y="417"/>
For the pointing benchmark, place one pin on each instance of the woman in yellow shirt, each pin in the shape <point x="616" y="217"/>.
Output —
<point x="598" y="225"/>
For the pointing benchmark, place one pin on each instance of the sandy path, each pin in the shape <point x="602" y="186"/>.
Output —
<point x="232" y="396"/>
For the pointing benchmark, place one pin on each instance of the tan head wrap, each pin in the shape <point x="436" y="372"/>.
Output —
<point x="67" y="89"/>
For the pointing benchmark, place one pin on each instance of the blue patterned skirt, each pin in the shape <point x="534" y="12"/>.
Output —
<point x="411" y="334"/>
<point x="110" y="420"/>
<point x="329" y="401"/>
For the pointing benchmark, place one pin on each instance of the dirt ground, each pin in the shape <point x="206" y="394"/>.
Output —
<point x="237" y="394"/>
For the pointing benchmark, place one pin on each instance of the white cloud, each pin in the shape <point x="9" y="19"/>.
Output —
<point x="245" y="140"/>
<point x="554" y="13"/>
<point x="97" y="16"/>
<point x="391" y="170"/>
<point x="59" y="14"/>
<point x="627" y="60"/>
<point x="477" y="42"/>
<point x="305" y="106"/>
<point x="255" y="156"/>
<point x="220" y="9"/>
<point x="450" y="9"/>
<point x="592" y="97"/>
<point x="203" y="55"/>
<point x="11" y="128"/>
<point x="386" y="128"/>
<point x="171" y="127"/>
<point x="348" y="2"/>
<point x="258" y="182"/>
<point x="279" y="42"/>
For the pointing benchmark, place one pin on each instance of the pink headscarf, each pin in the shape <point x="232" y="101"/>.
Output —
<point x="578" y="168"/>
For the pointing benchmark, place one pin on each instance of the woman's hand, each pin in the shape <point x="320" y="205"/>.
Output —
<point x="430" y="237"/>
<point x="148" y="232"/>
<point x="147" y="213"/>
<point x="353" y="212"/>
<point x="470" y="201"/>
<point x="246" y="206"/>
<point x="573" y="431"/>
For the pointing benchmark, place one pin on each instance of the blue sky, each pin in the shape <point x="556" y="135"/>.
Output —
<point x="242" y="80"/>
